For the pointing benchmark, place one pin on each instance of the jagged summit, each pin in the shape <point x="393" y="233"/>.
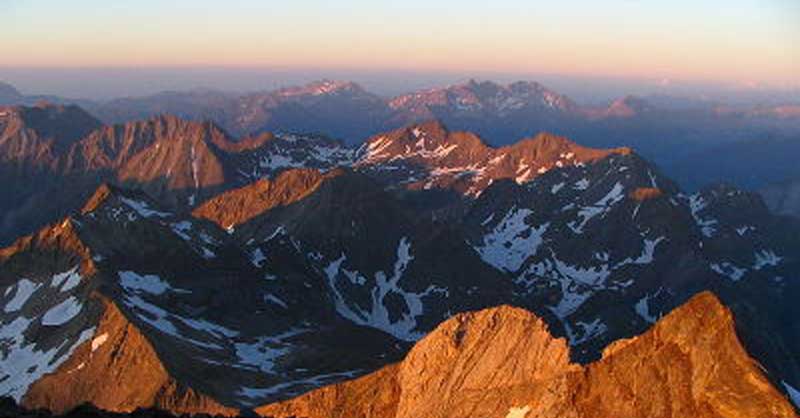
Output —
<point x="429" y="156"/>
<point x="41" y="132"/>
<point x="237" y="206"/>
<point x="628" y="106"/>
<point x="99" y="197"/>
<point x="483" y="96"/>
<point x="508" y="357"/>
<point x="323" y="87"/>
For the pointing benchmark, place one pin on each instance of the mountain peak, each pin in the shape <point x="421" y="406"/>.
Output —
<point x="140" y="377"/>
<point x="237" y="206"/>
<point x="429" y="156"/>
<point x="525" y="86"/>
<point x="422" y="143"/>
<point x="323" y="87"/>
<point x="704" y="312"/>
<point x="68" y="122"/>
<point x="508" y="356"/>
<point x="60" y="125"/>
<point x="629" y="106"/>
<point x="100" y="195"/>
<point x="474" y="96"/>
<point x="8" y="93"/>
<point x="548" y="149"/>
<point x="432" y="127"/>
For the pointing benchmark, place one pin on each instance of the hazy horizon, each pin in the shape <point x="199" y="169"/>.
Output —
<point x="109" y="83"/>
<point x="98" y="50"/>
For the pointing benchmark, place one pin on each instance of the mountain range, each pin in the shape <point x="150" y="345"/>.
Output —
<point x="169" y="264"/>
<point x="696" y="142"/>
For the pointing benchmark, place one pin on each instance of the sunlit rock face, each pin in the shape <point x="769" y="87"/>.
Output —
<point x="503" y="362"/>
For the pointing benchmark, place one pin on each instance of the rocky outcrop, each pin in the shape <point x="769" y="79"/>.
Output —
<point x="373" y="396"/>
<point x="691" y="363"/>
<point x="54" y="245"/>
<point x="503" y="362"/>
<point x="117" y="370"/>
<point x="646" y="193"/>
<point x="240" y="205"/>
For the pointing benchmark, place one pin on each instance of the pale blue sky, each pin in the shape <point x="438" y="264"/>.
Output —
<point x="736" y="41"/>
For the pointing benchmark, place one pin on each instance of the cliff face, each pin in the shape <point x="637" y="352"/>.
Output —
<point x="502" y="362"/>
<point x="476" y="363"/>
<point x="691" y="363"/>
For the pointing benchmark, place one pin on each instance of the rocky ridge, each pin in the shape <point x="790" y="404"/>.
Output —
<point x="502" y="362"/>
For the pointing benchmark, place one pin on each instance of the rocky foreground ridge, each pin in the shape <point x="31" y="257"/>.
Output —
<point x="503" y="362"/>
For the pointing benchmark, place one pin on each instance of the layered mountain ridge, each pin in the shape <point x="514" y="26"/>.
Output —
<point x="178" y="162"/>
<point x="696" y="141"/>
<point x="251" y="272"/>
<point x="182" y="163"/>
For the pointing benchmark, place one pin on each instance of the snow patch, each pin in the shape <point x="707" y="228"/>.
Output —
<point x="148" y="283"/>
<point x="642" y="308"/>
<point x="62" y="313"/>
<point x="195" y="169"/>
<point x="576" y="283"/>
<point x="293" y="387"/>
<point x="512" y="241"/>
<point x="584" y="331"/>
<point x="729" y="270"/>
<point x="264" y="351"/>
<point x="794" y="394"/>
<point x="98" y="341"/>
<point x="142" y="208"/>
<point x="257" y="257"/>
<point x="159" y="318"/>
<point x="581" y="184"/>
<point x="697" y="204"/>
<point x="766" y="258"/>
<point x="518" y="412"/>
<point x="274" y="299"/>
<point x="526" y="175"/>
<point x="22" y="363"/>
<point x="25" y="288"/>
<point x="601" y="207"/>
<point x="647" y="255"/>
<point x="182" y="228"/>
<point x="71" y="277"/>
<point x="590" y="276"/>
<point x="378" y="315"/>
<point x="555" y="189"/>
